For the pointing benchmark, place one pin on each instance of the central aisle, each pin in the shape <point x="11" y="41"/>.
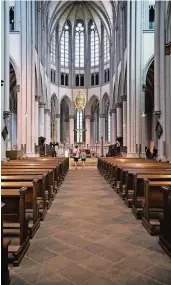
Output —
<point x="90" y="237"/>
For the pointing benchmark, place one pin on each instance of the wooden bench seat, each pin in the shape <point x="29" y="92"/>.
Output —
<point x="49" y="180"/>
<point x="138" y="194"/>
<point x="153" y="205"/>
<point x="5" y="279"/>
<point x="41" y="195"/>
<point x="37" y="167"/>
<point x="15" y="214"/>
<point x="165" y="222"/>
<point x="32" y="206"/>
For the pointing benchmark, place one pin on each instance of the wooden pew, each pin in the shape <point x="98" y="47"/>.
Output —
<point x="128" y="185"/>
<point x="120" y="169"/>
<point x="165" y="223"/>
<point x="5" y="279"/>
<point x="36" y="171"/>
<point x="32" y="206"/>
<point x="138" y="188"/>
<point x="41" y="196"/>
<point x="16" y="223"/>
<point x="153" y="205"/>
<point x="36" y="167"/>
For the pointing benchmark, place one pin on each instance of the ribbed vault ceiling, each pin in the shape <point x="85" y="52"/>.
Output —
<point x="104" y="11"/>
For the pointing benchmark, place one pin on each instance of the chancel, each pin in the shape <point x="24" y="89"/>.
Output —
<point x="86" y="142"/>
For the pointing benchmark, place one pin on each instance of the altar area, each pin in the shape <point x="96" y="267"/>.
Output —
<point x="90" y="163"/>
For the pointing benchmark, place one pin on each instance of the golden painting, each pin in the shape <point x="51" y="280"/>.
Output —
<point x="80" y="101"/>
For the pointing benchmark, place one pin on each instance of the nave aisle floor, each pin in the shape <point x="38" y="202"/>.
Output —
<point x="89" y="237"/>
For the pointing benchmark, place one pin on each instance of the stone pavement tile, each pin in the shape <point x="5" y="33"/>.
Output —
<point x="160" y="274"/>
<point x="143" y="280"/>
<point x="77" y="273"/>
<point x="41" y="255"/>
<point x="114" y="255"/>
<point x="58" y="263"/>
<point x="15" y="279"/>
<point x="95" y="263"/>
<point x="99" y="280"/>
<point x="119" y="274"/>
<point x="157" y="248"/>
<point x="129" y="249"/>
<point x="56" y="279"/>
<point x="89" y="235"/>
<point x="60" y="247"/>
<point x="105" y="231"/>
<point x="141" y="242"/>
<point x="136" y="264"/>
<point x="25" y="264"/>
<point x="77" y="255"/>
<point x="95" y="248"/>
<point x="45" y="242"/>
<point x="35" y="274"/>
<point x="154" y="257"/>
<point x="110" y="242"/>
<point x="73" y="240"/>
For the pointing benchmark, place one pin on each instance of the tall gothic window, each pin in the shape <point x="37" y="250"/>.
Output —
<point x="94" y="43"/>
<point x="79" y="45"/>
<point x="53" y="47"/>
<point x="79" y="118"/>
<point x="65" y="46"/>
<point x="106" y="47"/>
<point x="11" y="18"/>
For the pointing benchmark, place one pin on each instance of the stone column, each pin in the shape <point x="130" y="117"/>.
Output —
<point x="13" y="128"/>
<point x="87" y="127"/>
<point x="162" y="140"/>
<point x="36" y="122"/>
<point x="124" y="107"/>
<point x="168" y="100"/>
<point x="5" y="83"/>
<point x="113" y="126"/>
<point x="41" y="119"/>
<point x="92" y="136"/>
<point x="71" y="127"/>
<point x="102" y="126"/>
<point x="67" y="131"/>
<point x="119" y="119"/>
<point x="58" y="128"/>
<point x="157" y="58"/>
<point x="46" y="126"/>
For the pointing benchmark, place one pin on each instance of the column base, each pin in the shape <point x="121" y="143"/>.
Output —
<point x="132" y="155"/>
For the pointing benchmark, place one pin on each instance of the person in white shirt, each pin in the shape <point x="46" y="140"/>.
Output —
<point x="76" y="154"/>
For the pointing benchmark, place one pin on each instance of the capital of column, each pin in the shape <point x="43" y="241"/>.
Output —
<point x="6" y="114"/>
<point x="57" y="116"/>
<point x="87" y="116"/>
<point x="37" y="98"/>
<point x="112" y="111"/>
<point x="18" y="88"/>
<point x="119" y="105"/>
<point x="41" y="105"/>
<point x="157" y="114"/>
<point x="124" y="98"/>
<point x="47" y="111"/>
<point x="102" y="116"/>
<point x="71" y="116"/>
<point x="13" y="111"/>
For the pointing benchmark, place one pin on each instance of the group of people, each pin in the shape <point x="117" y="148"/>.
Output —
<point x="79" y="154"/>
<point x="149" y="154"/>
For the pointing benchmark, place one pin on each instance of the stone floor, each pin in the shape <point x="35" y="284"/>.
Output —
<point x="90" y="237"/>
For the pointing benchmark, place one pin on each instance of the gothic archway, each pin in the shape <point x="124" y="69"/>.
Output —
<point x="53" y="118"/>
<point x="13" y="107"/>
